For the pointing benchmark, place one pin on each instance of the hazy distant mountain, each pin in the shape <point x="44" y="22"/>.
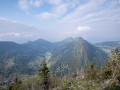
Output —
<point x="108" y="46"/>
<point x="63" y="57"/>
<point x="73" y="54"/>
<point x="41" y="45"/>
<point x="22" y="58"/>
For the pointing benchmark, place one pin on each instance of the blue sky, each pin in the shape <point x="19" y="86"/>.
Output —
<point x="55" y="20"/>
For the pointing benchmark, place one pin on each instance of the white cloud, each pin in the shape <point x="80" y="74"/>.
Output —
<point x="23" y="4"/>
<point x="55" y="2"/>
<point x="73" y="3"/>
<point x="8" y="20"/>
<point x="64" y="7"/>
<point x="79" y="31"/>
<point x="3" y="18"/>
<point x="57" y="11"/>
<point x="73" y="13"/>
<point x="15" y="31"/>
<point x="26" y="4"/>
<point x="83" y="9"/>
<point x="94" y="11"/>
<point x="10" y="34"/>
<point x="82" y="29"/>
<point x="57" y="7"/>
<point x="36" y="3"/>
<point x="45" y="15"/>
<point x="61" y="9"/>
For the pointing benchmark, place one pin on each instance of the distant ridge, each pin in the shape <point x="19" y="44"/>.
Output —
<point x="68" y="55"/>
<point x="108" y="46"/>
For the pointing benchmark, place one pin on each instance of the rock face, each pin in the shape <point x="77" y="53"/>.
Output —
<point x="63" y="57"/>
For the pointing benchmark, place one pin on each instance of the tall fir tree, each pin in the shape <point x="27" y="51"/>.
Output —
<point x="91" y="72"/>
<point x="114" y="63"/>
<point x="44" y="72"/>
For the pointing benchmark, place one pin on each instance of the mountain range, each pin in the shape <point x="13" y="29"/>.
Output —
<point x="108" y="46"/>
<point x="64" y="57"/>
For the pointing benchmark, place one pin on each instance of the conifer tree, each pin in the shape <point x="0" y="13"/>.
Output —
<point x="91" y="72"/>
<point x="44" y="72"/>
<point x="114" y="63"/>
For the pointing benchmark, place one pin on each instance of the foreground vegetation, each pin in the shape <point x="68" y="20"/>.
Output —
<point x="106" y="78"/>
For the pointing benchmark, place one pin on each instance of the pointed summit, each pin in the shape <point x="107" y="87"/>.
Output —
<point x="79" y="38"/>
<point x="71" y="39"/>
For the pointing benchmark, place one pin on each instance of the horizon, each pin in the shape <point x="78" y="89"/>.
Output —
<point x="54" y="20"/>
<point x="58" y="40"/>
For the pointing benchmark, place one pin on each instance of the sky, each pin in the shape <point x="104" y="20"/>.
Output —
<point x="54" y="20"/>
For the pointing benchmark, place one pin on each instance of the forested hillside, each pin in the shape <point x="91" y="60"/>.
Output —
<point x="106" y="78"/>
<point x="68" y="56"/>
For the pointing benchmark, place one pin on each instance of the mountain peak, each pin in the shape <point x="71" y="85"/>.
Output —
<point x="78" y="39"/>
<point x="39" y="40"/>
<point x="69" y="39"/>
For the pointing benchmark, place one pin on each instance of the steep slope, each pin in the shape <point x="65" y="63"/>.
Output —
<point x="73" y="54"/>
